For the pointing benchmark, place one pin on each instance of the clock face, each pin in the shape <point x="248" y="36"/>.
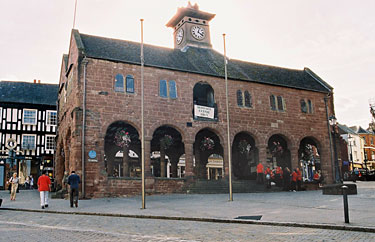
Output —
<point x="198" y="32"/>
<point x="179" y="36"/>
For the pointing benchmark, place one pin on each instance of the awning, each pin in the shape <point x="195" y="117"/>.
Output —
<point x="358" y="165"/>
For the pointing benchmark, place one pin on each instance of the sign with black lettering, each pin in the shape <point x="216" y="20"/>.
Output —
<point x="204" y="112"/>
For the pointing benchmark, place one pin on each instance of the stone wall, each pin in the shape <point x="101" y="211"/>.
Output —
<point x="105" y="106"/>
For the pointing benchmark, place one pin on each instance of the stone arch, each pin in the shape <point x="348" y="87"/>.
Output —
<point x="207" y="142"/>
<point x="245" y="156"/>
<point x="159" y="124"/>
<point x="166" y="142"/>
<point x="124" y="137"/>
<point x="278" y="151"/>
<point x="309" y="157"/>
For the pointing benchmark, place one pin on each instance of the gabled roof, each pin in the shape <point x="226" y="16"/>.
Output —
<point x="30" y="93"/>
<point x="197" y="60"/>
<point x="359" y="130"/>
<point x="343" y="129"/>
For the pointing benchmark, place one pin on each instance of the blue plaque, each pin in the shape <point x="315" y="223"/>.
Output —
<point x="92" y="154"/>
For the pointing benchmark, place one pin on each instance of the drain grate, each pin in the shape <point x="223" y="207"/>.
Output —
<point x="256" y="217"/>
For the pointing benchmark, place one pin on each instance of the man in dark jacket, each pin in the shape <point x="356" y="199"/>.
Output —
<point x="73" y="181"/>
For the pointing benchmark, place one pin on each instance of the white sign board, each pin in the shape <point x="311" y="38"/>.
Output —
<point x="204" y="112"/>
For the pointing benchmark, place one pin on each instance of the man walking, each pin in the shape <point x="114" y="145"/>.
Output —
<point x="73" y="181"/>
<point x="44" y="185"/>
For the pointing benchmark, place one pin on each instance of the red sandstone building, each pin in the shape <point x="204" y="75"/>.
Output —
<point x="278" y="116"/>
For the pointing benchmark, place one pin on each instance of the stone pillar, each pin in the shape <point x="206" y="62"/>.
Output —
<point x="262" y="154"/>
<point x="162" y="160"/>
<point x="125" y="161"/>
<point x="147" y="155"/>
<point x="189" y="159"/>
<point x="174" y="162"/>
<point x="110" y="160"/>
<point x="197" y="156"/>
<point x="294" y="158"/>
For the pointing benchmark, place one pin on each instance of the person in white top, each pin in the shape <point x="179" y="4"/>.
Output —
<point x="13" y="181"/>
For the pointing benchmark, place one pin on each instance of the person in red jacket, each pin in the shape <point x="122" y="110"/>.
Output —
<point x="260" y="173"/>
<point x="268" y="174"/>
<point x="44" y="185"/>
<point x="294" y="179"/>
<point x="299" y="179"/>
<point x="278" y="176"/>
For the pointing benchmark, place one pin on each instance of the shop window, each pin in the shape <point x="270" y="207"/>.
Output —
<point x="239" y="98"/>
<point x="29" y="116"/>
<point x="28" y="142"/>
<point x="129" y="84"/>
<point x="50" y="142"/>
<point x="119" y="83"/>
<point x="52" y="118"/>
<point x="248" y="102"/>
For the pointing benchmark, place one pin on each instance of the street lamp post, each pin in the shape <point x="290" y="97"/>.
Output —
<point x="351" y="152"/>
<point x="333" y="123"/>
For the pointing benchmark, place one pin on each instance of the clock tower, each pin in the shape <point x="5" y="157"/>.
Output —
<point x="191" y="27"/>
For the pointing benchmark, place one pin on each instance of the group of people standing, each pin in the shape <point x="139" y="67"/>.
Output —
<point x="44" y="187"/>
<point x="290" y="181"/>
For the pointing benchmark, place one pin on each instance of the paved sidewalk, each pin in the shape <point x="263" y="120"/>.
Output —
<point x="305" y="208"/>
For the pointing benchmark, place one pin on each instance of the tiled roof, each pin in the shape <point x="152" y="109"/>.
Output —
<point x="345" y="129"/>
<point x="30" y="93"/>
<point x="197" y="60"/>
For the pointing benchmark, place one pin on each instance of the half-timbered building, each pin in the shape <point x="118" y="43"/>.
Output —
<point x="28" y="125"/>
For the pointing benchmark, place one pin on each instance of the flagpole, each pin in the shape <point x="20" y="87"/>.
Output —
<point x="142" y="123"/>
<point x="75" y="11"/>
<point x="228" y="132"/>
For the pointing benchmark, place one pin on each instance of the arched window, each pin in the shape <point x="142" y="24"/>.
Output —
<point x="119" y="83"/>
<point x="203" y="95"/>
<point x="303" y="106"/>
<point x="163" y="92"/>
<point x="172" y="89"/>
<point x="310" y="106"/>
<point x="280" y="103"/>
<point x="239" y="98"/>
<point x="273" y="102"/>
<point x="129" y="84"/>
<point x="248" y="102"/>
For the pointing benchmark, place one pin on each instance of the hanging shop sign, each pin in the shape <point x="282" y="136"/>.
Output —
<point x="204" y="112"/>
<point x="11" y="144"/>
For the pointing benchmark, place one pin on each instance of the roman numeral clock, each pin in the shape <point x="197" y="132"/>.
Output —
<point x="191" y="28"/>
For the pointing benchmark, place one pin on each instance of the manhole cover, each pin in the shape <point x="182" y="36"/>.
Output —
<point x="256" y="217"/>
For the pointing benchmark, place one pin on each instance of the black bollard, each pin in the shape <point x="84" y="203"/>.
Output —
<point x="346" y="209"/>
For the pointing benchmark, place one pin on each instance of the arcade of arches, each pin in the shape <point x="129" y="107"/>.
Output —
<point x="170" y="156"/>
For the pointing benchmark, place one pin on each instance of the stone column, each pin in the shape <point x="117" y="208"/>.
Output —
<point x="174" y="162"/>
<point x="125" y="161"/>
<point x="294" y="157"/>
<point x="189" y="159"/>
<point x="262" y="154"/>
<point x="162" y="160"/>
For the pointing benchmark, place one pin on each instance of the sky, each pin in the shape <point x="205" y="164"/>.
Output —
<point x="335" y="38"/>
